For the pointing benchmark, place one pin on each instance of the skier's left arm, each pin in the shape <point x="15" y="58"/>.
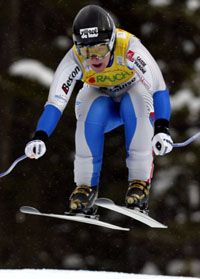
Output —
<point x="162" y="142"/>
<point x="152" y="78"/>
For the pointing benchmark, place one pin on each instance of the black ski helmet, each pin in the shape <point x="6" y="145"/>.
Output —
<point x="93" y="25"/>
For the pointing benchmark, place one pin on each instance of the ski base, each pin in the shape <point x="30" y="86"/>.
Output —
<point x="134" y="214"/>
<point x="76" y="218"/>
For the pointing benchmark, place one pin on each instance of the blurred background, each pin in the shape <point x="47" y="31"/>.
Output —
<point x="34" y="37"/>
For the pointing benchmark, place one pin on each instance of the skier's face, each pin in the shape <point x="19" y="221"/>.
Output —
<point x="98" y="65"/>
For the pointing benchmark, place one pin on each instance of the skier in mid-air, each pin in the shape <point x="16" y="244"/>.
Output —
<point x="122" y="85"/>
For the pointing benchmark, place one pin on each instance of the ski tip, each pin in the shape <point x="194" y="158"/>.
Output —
<point x="29" y="210"/>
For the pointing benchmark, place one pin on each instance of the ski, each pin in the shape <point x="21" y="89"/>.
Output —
<point x="135" y="214"/>
<point x="76" y="218"/>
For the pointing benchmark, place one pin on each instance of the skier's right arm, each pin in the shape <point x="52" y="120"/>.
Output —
<point x="60" y="92"/>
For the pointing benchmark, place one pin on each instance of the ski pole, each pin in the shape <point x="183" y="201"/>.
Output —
<point x="188" y="141"/>
<point x="13" y="165"/>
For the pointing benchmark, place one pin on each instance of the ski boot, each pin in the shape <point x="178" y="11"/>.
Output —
<point x="82" y="200"/>
<point x="137" y="195"/>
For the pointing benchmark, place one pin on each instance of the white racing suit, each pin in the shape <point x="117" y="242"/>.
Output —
<point x="135" y="103"/>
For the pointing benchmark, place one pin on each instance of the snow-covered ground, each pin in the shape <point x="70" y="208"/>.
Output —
<point x="63" y="274"/>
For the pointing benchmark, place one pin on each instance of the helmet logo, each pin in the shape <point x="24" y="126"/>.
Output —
<point x="89" y="32"/>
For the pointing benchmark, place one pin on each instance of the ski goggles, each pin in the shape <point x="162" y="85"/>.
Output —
<point x="99" y="50"/>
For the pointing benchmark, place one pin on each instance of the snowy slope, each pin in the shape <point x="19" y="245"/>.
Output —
<point x="63" y="274"/>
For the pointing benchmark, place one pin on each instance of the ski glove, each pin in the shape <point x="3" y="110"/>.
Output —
<point x="35" y="149"/>
<point x="162" y="142"/>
